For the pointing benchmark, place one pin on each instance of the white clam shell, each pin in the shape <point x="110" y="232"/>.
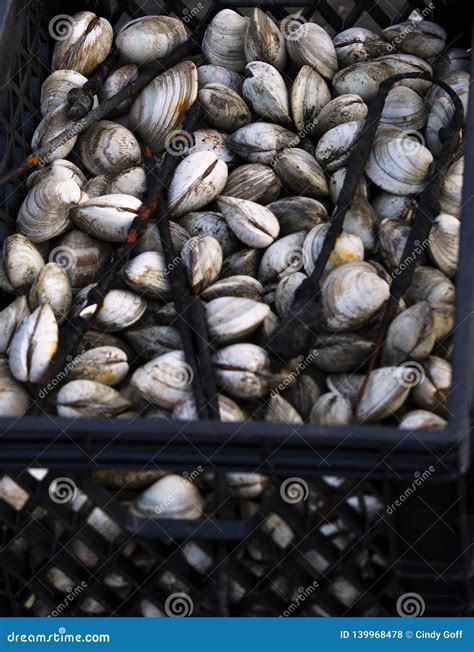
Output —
<point x="243" y="370"/>
<point x="285" y="293"/>
<point x="410" y="336"/>
<point x="260" y="142"/>
<point x="431" y="388"/>
<point x="349" y="248"/>
<point x="10" y="319"/>
<point x="386" y="391"/>
<point x="333" y="149"/>
<point x="309" y="95"/>
<point x="56" y="87"/>
<point x="283" y="257"/>
<point x="147" y="274"/>
<point x="332" y="409"/>
<point x="108" y="148"/>
<point x="82" y="256"/>
<point x="444" y="242"/>
<point x="223" y="42"/>
<point x="265" y="90"/>
<point x="14" y="400"/>
<point x="422" y="419"/>
<point x="301" y="174"/>
<point x="165" y="380"/>
<point x="211" y="140"/>
<point x="22" y="262"/>
<point x="171" y="497"/>
<point x="253" y="224"/>
<point x="108" y="217"/>
<point x="228" y="409"/>
<point x="404" y="108"/>
<point x="88" y="398"/>
<point x="211" y="74"/>
<point x="97" y="186"/>
<point x="197" y="181"/>
<point x="450" y="198"/>
<point x="114" y="83"/>
<point x="59" y="168"/>
<point x="129" y="182"/>
<point x="52" y="286"/>
<point x="233" y="318"/>
<point x="148" y="38"/>
<point x="158" y="110"/>
<point x="431" y="285"/>
<point x="310" y="44"/>
<point x="105" y="364"/>
<point x="87" y="43"/>
<point x="254" y="182"/>
<point x="120" y="309"/>
<point x="345" y="108"/>
<point x="264" y="41"/>
<point x="202" y="257"/>
<point x="234" y="286"/>
<point x="209" y="223"/>
<point x="53" y="124"/>
<point x="223" y="108"/>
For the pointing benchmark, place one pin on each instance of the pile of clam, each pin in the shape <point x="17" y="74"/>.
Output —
<point x="250" y="203"/>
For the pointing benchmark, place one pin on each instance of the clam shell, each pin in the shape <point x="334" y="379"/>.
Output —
<point x="301" y="174"/>
<point x="283" y="257"/>
<point x="148" y="38"/>
<point x="150" y="238"/>
<point x="444" y="242"/>
<point x="352" y="294"/>
<point x="108" y="148"/>
<point x="147" y="274"/>
<point x="22" y="262"/>
<point x="185" y="410"/>
<point x="431" y="392"/>
<point x="360" y="221"/>
<point x="211" y="74"/>
<point x="402" y="63"/>
<point x="348" y="249"/>
<point x="386" y="391"/>
<point x="197" y="181"/>
<point x="58" y="168"/>
<point x="171" y="497"/>
<point x="129" y="182"/>
<point x="450" y="198"/>
<point x="202" y="258"/>
<point x="345" y="108"/>
<point x="358" y="44"/>
<point x="253" y="224"/>
<point x="114" y="83"/>
<point x="285" y="292"/>
<point x="393" y="235"/>
<point x="165" y="380"/>
<point x="433" y="286"/>
<point x="422" y="419"/>
<point x="404" y="108"/>
<point x="53" y="124"/>
<point x="243" y="262"/>
<point x="241" y="286"/>
<point x="223" y="43"/>
<point x="333" y="149"/>
<point x="10" y="320"/>
<point x="439" y="116"/>
<point x="298" y="213"/>
<point x="254" y="182"/>
<point x="341" y="353"/>
<point x="223" y="108"/>
<point x="150" y="341"/>
<point x="453" y="60"/>
<point x="85" y="45"/>
<point x="158" y="110"/>
<point x="420" y="38"/>
<point x="332" y="409"/>
<point x="264" y="41"/>
<point x="347" y="385"/>
<point x="410" y="336"/>
<point x="309" y="95"/>
<point x="387" y="205"/>
<point x="14" y="400"/>
<point x="243" y="370"/>
<point x="311" y="45"/>
<point x="362" y="79"/>
<point x="105" y="364"/>
<point x="260" y="142"/>
<point x="52" y="286"/>
<point x="279" y="410"/>
<point x="265" y="90"/>
<point x="211" y="140"/>
<point x="56" y="87"/>
<point x="34" y="345"/>
<point x="233" y="318"/>
<point x="208" y="223"/>
<point x="88" y="398"/>
<point x="97" y="186"/>
<point x="460" y="83"/>
<point x="81" y="256"/>
<point x="120" y="310"/>
<point x="108" y="217"/>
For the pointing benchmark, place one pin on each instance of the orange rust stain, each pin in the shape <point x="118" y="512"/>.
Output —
<point x="33" y="160"/>
<point x="147" y="152"/>
<point x="132" y="236"/>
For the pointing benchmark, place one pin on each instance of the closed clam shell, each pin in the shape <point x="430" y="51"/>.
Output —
<point x="202" y="258"/>
<point x="265" y="90"/>
<point x="158" y="110"/>
<point x="453" y="60"/>
<point x="332" y="409"/>
<point x="348" y="249"/>
<point x="58" y="168"/>
<point x="108" y="217"/>
<point x="120" y="309"/>
<point x="223" y="42"/>
<point x="300" y="173"/>
<point x="422" y="419"/>
<point x="410" y="336"/>
<point x="360" y="221"/>
<point x="165" y="380"/>
<point x="22" y="262"/>
<point x="44" y="214"/>
<point x="254" y="182"/>
<point x="171" y="497"/>
<point x="298" y="213"/>
<point x="14" y="400"/>
<point x="147" y="274"/>
<point x="359" y="44"/>
<point x="106" y="364"/>
<point x="209" y="223"/>
<point x="223" y="108"/>
<point x="398" y="163"/>
<point x="129" y="182"/>
<point x="402" y="63"/>
<point x="114" y="83"/>
<point x="88" y="398"/>
<point x="233" y="318"/>
<point x="393" y="234"/>
<point x="108" y="148"/>
<point x="185" y="410"/>
<point x="333" y="148"/>
<point x="151" y="340"/>
<point x="53" y="124"/>
<point x="311" y="45"/>
<point x="253" y="224"/>
<point x="150" y="238"/>
<point x="362" y="79"/>
<point x="97" y="186"/>
<point x="341" y="353"/>
<point x="386" y="391"/>
<point x="283" y="257"/>
<point x="244" y="261"/>
<point x="460" y="83"/>
<point x="243" y="370"/>
<point x="148" y="38"/>
<point x="197" y="181"/>
<point x="450" y="198"/>
<point x="352" y="294"/>
<point x="342" y="109"/>
<point x="52" y="286"/>
<point x="56" y="87"/>
<point x="431" y="285"/>
<point x="285" y="292"/>
<point x="264" y="41"/>
<point x="439" y="117"/>
<point x="309" y="95"/>
<point x="34" y="345"/>
<point x="444" y="243"/>
<point x="212" y="74"/>
<point x="86" y="43"/>
<point x="211" y="140"/>
<point x="10" y="319"/>
<point x="404" y="108"/>
<point x="347" y="385"/>
<point x="432" y="386"/>
<point x="241" y="286"/>
<point x="82" y="257"/>
<point x="419" y="37"/>
<point x="386" y="204"/>
<point x="279" y="410"/>
<point x="260" y="142"/>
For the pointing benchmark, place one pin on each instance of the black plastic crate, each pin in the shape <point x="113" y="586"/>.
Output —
<point x="425" y="547"/>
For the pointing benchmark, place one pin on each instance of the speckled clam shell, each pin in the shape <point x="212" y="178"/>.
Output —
<point x="260" y="142"/>
<point x="298" y="213"/>
<point x="333" y="148"/>
<point x="223" y="43"/>
<point x="420" y="38"/>
<point x="265" y="90"/>
<point x="211" y="140"/>
<point x="243" y="370"/>
<point x="52" y="286"/>
<point x="309" y="95"/>
<point x="342" y="109"/>
<point x="147" y="274"/>
<point x="254" y="182"/>
<point x="301" y="174"/>
<point x="88" y="398"/>
<point x="386" y="391"/>
<point x="358" y="44"/>
<point x="56" y="87"/>
<point x="159" y="109"/>
<point x="105" y="364"/>
<point x="264" y="41"/>
<point x="233" y="318"/>
<point x="165" y="380"/>
<point x="311" y="45"/>
<point x="108" y="217"/>
<point x="223" y="108"/>
<point x="22" y="262"/>
<point x="254" y="225"/>
<point x="108" y="148"/>
<point x="148" y="38"/>
<point x="202" y="257"/>
<point x="86" y="43"/>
